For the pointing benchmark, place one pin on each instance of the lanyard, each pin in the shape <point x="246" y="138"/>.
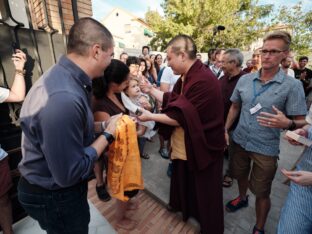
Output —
<point x="261" y="91"/>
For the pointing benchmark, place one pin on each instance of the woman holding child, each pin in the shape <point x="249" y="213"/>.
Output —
<point x="107" y="102"/>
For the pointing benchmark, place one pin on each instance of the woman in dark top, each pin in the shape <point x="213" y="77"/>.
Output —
<point x="106" y="103"/>
<point x="158" y="62"/>
<point x="148" y="70"/>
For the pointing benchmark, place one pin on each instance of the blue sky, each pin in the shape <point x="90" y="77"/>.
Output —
<point x="138" y="7"/>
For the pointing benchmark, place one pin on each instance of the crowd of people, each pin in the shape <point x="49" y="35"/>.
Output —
<point x="73" y="123"/>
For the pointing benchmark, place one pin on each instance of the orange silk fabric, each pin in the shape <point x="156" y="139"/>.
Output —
<point x="124" y="162"/>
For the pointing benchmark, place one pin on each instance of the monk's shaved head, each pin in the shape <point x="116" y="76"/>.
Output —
<point x="183" y="43"/>
<point x="85" y="33"/>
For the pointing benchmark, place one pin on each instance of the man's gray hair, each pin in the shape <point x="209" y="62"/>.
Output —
<point x="235" y="55"/>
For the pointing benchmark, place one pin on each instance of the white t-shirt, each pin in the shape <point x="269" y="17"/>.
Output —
<point x="291" y="72"/>
<point x="168" y="77"/>
<point x="4" y="94"/>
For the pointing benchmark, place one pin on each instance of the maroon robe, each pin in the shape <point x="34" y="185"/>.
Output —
<point x="227" y="87"/>
<point x="196" y="184"/>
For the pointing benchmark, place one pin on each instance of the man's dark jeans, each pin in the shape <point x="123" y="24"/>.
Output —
<point x="61" y="211"/>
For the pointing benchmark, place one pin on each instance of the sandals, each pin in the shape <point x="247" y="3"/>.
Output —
<point x="227" y="181"/>
<point x="257" y="230"/>
<point x="145" y="156"/>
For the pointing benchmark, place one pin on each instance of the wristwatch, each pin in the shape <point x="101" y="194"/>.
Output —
<point x="109" y="137"/>
<point x="292" y="126"/>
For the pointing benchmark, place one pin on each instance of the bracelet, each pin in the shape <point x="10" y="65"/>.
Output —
<point x="103" y="126"/>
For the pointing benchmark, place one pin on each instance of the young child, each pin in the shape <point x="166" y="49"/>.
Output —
<point x="144" y="129"/>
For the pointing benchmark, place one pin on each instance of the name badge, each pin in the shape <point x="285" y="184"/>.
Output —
<point x="255" y="109"/>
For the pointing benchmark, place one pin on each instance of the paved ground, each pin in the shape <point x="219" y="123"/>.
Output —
<point x="241" y="222"/>
<point x="98" y="224"/>
<point x="151" y="216"/>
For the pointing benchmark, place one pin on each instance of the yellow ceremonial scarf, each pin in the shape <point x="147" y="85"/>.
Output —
<point x="178" y="144"/>
<point x="178" y="140"/>
<point x="124" y="163"/>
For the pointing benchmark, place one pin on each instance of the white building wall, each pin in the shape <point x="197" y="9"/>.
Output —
<point x="126" y="29"/>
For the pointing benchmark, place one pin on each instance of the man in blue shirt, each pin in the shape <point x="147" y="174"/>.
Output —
<point x="268" y="91"/>
<point x="58" y="143"/>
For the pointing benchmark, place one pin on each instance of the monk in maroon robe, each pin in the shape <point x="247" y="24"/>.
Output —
<point x="192" y="117"/>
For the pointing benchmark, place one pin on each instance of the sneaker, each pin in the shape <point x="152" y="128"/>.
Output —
<point x="103" y="195"/>
<point x="257" y="231"/>
<point x="169" y="170"/>
<point x="164" y="153"/>
<point x="236" y="204"/>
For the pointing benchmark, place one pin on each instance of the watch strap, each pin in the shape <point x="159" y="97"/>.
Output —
<point x="109" y="137"/>
<point x="292" y="126"/>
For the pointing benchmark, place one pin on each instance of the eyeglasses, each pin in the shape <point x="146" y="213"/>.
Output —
<point x="271" y="52"/>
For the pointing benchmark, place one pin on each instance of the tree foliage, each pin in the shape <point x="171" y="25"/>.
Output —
<point x="299" y="24"/>
<point x="199" y="19"/>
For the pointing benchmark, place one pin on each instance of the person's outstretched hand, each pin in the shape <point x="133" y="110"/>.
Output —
<point x="146" y="87"/>
<point x="299" y="131"/>
<point x="303" y="178"/>
<point x="145" y="116"/>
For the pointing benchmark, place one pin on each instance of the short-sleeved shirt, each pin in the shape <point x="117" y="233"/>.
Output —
<point x="169" y="77"/>
<point x="283" y="91"/>
<point x="4" y="94"/>
<point x="305" y="163"/>
<point x="291" y="72"/>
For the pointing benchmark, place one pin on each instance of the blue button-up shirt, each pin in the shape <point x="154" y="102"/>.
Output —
<point x="305" y="163"/>
<point x="57" y="124"/>
<point x="283" y="91"/>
